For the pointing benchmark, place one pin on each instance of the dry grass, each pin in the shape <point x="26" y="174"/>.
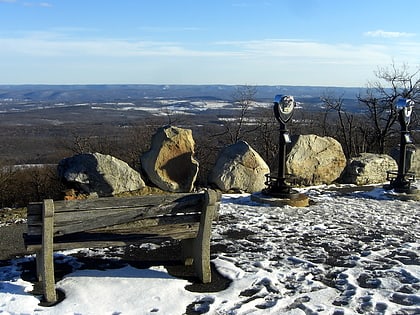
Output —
<point x="12" y="215"/>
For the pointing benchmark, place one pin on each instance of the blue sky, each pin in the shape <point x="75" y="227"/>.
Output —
<point x="255" y="42"/>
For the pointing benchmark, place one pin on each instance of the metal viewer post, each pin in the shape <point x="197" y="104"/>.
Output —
<point x="401" y="179"/>
<point x="277" y="186"/>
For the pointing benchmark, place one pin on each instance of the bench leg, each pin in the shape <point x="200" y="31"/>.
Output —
<point x="196" y="252"/>
<point x="47" y="277"/>
<point x="201" y="244"/>
<point x="38" y="285"/>
<point x="47" y="254"/>
<point x="187" y="246"/>
<point x="39" y="263"/>
<point x="201" y="256"/>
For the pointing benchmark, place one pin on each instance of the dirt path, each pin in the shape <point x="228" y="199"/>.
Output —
<point x="11" y="241"/>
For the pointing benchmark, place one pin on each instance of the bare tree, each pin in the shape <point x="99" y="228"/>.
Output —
<point x="265" y="140"/>
<point x="237" y="127"/>
<point x="346" y="121"/>
<point x="7" y="174"/>
<point x="172" y="116"/>
<point x="42" y="182"/>
<point x="80" y="144"/>
<point x="393" y="82"/>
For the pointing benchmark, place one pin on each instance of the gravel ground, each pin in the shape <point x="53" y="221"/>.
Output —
<point x="11" y="241"/>
<point x="12" y="227"/>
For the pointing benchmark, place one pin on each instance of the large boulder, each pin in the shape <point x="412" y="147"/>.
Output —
<point x="368" y="168"/>
<point x="315" y="160"/>
<point x="97" y="173"/>
<point x="239" y="168"/>
<point x="412" y="161"/>
<point x="169" y="164"/>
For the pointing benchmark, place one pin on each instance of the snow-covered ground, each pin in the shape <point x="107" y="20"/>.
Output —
<point x="350" y="252"/>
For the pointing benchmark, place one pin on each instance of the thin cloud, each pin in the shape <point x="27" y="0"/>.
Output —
<point x="246" y="4"/>
<point x="29" y="4"/>
<point x="37" y="4"/>
<point x="48" y="45"/>
<point x="158" y="29"/>
<point x="308" y="51"/>
<point x="44" y="44"/>
<point x="387" y="34"/>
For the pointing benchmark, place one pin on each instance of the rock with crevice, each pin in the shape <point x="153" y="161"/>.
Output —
<point x="170" y="162"/>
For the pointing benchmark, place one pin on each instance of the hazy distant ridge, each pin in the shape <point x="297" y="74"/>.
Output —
<point x="101" y="93"/>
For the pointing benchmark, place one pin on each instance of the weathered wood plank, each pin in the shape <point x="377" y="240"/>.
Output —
<point x="169" y="227"/>
<point x="34" y="208"/>
<point x="87" y="220"/>
<point x="180" y="200"/>
<point x="99" y="240"/>
<point x="34" y="218"/>
<point x="47" y="269"/>
<point x="122" y="215"/>
<point x="60" y="229"/>
<point x="103" y="243"/>
<point x="165" y="223"/>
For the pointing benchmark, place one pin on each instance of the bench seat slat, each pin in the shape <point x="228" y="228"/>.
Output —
<point x="96" y="219"/>
<point x="109" y="223"/>
<point x="179" y="201"/>
<point x="118" y="237"/>
<point x="164" y="203"/>
<point x="187" y="222"/>
<point x="108" y="243"/>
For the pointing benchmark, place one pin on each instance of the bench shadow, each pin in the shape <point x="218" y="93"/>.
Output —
<point x="119" y="257"/>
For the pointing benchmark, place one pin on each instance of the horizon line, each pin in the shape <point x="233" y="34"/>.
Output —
<point x="177" y="84"/>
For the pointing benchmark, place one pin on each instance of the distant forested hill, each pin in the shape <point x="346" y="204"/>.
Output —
<point x="101" y="93"/>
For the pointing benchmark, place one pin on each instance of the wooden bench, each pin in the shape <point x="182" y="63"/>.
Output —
<point x="102" y="222"/>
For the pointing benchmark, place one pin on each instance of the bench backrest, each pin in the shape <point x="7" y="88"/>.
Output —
<point x="170" y="215"/>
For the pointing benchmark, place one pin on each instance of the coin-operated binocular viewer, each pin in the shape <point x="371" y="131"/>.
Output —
<point x="401" y="180"/>
<point x="277" y="185"/>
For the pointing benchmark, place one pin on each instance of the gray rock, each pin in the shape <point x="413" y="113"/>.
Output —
<point x="239" y="168"/>
<point x="169" y="164"/>
<point x="368" y="168"/>
<point x="99" y="173"/>
<point x="316" y="160"/>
